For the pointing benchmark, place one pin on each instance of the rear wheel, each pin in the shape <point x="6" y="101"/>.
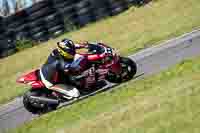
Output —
<point x="36" y="107"/>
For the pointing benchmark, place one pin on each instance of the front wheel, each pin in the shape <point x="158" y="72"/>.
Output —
<point x="129" y="69"/>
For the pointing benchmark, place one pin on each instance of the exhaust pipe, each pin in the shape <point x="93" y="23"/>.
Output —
<point x="43" y="100"/>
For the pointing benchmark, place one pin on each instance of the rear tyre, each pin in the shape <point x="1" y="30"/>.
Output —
<point x="27" y="103"/>
<point x="36" y="107"/>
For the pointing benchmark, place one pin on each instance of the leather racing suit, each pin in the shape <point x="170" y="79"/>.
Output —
<point x="56" y="67"/>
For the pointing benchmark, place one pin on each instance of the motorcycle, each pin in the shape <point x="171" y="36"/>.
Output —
<point x="105" y="65"/>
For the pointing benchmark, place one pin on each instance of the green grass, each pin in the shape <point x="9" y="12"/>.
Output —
<point x="164" y="103"/>
<point x="134" y="29"/>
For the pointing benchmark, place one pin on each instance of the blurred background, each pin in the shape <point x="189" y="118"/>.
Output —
<point x="26" y="23"/>
<point x="11" y="6"/>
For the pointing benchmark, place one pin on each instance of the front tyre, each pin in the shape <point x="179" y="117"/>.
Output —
<point x="129" y="69"/>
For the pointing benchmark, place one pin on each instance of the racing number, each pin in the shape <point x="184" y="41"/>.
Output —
<point x="109" y="51"/>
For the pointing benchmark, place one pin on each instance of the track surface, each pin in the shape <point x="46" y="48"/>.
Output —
<point x="149" y="61"/>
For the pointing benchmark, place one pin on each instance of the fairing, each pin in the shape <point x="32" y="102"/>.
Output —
<point x="110" y="62"/>
<point x="31" y="79"/>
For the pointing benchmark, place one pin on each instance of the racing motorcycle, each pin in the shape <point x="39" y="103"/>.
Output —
<point x="105" y="65"/>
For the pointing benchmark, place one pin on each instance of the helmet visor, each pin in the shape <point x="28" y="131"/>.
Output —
<point x="66" y="53"/>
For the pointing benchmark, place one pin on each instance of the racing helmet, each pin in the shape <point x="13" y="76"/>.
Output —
<point x="66" y="49"/>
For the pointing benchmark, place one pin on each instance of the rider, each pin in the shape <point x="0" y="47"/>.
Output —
<point x="62" y="60"/>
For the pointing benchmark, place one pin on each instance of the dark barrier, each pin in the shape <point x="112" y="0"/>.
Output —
<point x="50" y="18"/>
<point x="117" y="6"/>
<point x="7" y="38"/>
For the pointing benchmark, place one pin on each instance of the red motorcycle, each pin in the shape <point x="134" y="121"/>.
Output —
<point x="106" y="64"/>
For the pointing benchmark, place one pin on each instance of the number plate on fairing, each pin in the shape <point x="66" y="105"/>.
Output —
<point x="109" y="51"/>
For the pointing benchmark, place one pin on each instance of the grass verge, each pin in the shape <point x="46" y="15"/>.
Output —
<point x="166" y="102"/>
<point x="135" y="29"/>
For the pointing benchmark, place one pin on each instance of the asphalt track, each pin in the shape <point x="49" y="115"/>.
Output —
<point x="149" y="61"/>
